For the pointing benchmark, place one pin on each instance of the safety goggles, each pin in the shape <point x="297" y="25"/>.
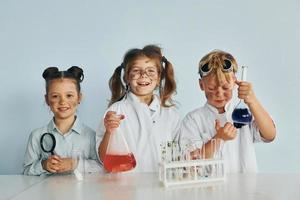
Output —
<point x="205" y="69"/>
<point x="135" y="74"/>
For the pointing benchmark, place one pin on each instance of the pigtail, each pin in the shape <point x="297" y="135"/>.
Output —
<point x="116" y="86"/>
<point x="168" y="84"/>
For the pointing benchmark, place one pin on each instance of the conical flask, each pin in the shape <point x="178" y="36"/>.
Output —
<point x="118" y="157"/>
<point x="241" y="114"/>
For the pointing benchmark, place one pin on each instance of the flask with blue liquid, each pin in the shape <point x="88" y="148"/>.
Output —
<point x="241" y="114"/>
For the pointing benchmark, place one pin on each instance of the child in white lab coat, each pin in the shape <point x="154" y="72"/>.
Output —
<point x="213" y="121"/>
<point x="141" y="106"/>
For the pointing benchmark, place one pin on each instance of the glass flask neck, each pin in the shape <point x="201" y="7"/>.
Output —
<point x="244" y="73"/>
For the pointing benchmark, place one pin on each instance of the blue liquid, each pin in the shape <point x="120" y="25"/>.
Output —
<point x="241" y="117"/>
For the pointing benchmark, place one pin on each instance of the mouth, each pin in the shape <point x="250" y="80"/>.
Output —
<point x="219" y="101"/>
<point x="63" y="109"/>
<point x="143" y="83"/>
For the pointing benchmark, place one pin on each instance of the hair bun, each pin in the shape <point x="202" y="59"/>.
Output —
<point x="49" y="72"/>
<point x="77" y="73"/>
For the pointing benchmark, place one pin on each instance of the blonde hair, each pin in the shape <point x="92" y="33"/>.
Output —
<point x="216" y="61"/>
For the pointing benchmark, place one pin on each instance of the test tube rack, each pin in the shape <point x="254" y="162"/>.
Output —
<point x="191" y="171"/>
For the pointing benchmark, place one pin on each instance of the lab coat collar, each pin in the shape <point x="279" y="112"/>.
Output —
<point x="154" y="105"/>
<point x="215" y="110"/>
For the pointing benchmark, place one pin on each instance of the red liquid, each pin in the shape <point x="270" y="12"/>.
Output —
<point x="119" y="163"/>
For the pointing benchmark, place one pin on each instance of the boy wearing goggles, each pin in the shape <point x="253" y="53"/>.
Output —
<point x="213" y="121"/>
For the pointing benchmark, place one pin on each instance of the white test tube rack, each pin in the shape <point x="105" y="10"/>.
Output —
<point x="191" y="171"/>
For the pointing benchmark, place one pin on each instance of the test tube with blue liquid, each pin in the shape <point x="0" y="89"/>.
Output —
<point x="241" y="114"/>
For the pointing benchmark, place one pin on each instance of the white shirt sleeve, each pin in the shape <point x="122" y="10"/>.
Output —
<point x="256" y="133"/>
<point x="189" y="129"/>
<point x="99" y="135"/>
<point x="33" y="161"/>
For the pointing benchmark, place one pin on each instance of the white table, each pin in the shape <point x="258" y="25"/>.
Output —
<point x="12" y="185"/>
<point x="146" y="186"/>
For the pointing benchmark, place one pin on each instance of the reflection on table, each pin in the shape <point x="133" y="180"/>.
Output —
<point x="146" y="186"/>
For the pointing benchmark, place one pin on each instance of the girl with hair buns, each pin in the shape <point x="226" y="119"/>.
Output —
<point x="63" y="94"/>
<point x="141" y="106"/>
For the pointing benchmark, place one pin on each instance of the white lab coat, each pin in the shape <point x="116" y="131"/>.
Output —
<point x="239" y="153"/>
<point x="144" y="128"/>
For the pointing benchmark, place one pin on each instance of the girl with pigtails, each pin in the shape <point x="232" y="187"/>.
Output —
<point x="141" y="106"/>
<point x="68" y="133"/>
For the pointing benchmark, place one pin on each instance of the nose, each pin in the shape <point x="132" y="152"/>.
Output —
<point x="143" y="73"/>
<point x="62" y="100"/>
<point x="219" y="92"/>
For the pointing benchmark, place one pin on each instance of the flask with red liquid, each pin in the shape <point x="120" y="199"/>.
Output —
<point x="118" y="157"/>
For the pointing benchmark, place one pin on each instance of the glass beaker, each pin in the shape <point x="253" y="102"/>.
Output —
<point x="78" y="163"/>
<point x="118" y="157"/>
<point x="241" y="114"/>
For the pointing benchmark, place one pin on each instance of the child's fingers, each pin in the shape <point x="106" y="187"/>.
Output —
<point x="113" y="117"/>
<point x="113" y="125"/>
<point x="232" y="129"/>
<point x="49" y="166"/>
<point x="227" y="126"/>
<point x="54" y="162"/>
<point x="118" y="117"/>
<point x="229" y="130"/>
<point x="242" y="83"/>
<point x="53" y="168"/>
<point x="121" y="116"/>
<point x="110" y="113"/>
<point x="55" y="159"/>
<point x="217" y="125"/>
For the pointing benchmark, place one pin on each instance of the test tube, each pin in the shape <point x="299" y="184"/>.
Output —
<point x="214" y="156"/>
<point x="163" y="151"/>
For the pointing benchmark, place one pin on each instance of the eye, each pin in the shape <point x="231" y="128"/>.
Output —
<point x="226" y="87"/>
<point x="70" y="95"/>
<point x="151" y="71"/>
<point x="54" y="96"/>
<point x="134" y="71"/>
<point x="211" y="88"/>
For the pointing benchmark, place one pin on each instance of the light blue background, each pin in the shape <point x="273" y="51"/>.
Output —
<point x="265" y="35"/>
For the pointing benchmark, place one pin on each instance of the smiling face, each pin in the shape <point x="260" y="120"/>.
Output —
<point x="143" y="78"/>
<point x="218" y="93"/>
<point x="63" y="98"/>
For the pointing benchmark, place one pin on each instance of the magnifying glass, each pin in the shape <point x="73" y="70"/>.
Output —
<point x="48" y="143"/>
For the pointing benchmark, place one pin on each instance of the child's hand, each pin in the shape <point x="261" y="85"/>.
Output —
<point x="246" y="92"/>
<point x="112" y="121"/>
<point x="52" y="163"/>
<point x="228" y="132"/>
<point x="67" y="164"/>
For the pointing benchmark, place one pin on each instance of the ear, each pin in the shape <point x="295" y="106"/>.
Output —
<point x="158" y="82"/>
<point x="46" y="99"/>
<point x="201" y="84"/>
<point x="126" y="80"/>
<point x="80" y="97"/>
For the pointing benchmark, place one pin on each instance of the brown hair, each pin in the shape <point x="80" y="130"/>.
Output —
<point x="216" y="60"/>
<point x="167" y="84"/>
<point x="74" y="72"/>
